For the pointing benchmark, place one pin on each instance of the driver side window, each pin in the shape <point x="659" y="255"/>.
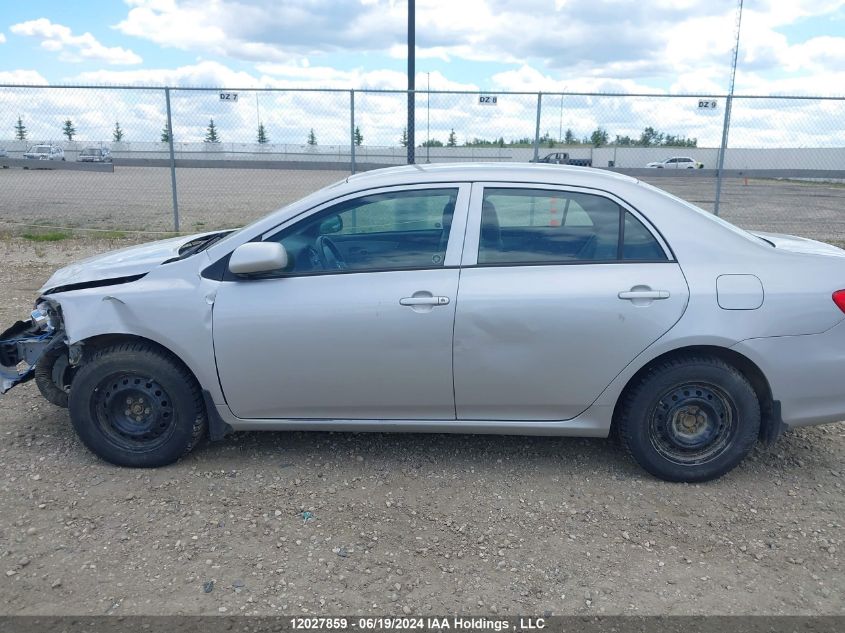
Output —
<point x="387" y="231"/>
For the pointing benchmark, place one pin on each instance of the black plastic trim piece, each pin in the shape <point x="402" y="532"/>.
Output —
<point x="217" y="427"/>
<point x="99" y="283"/>
<point x="774" y="426"/>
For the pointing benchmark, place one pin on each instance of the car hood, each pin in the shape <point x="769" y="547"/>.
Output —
<point x="799" y="244"/>
<point x="119" y="264"/>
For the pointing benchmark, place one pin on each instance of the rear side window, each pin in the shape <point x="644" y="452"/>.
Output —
<point x="525" y="226"/>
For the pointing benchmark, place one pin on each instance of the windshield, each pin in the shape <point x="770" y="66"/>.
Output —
<point x="90" y="152"/>
<point x="713" y="218"/>
<point x="41" y="149"/>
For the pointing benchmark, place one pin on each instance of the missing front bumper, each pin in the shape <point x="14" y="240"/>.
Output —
<point x="23" y="345"/>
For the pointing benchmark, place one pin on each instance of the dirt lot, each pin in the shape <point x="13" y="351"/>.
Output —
<point x="423" y="524"/>
<point x="139" y="199"/>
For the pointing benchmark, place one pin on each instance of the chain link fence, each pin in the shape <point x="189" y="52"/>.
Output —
<point x="159" y="160"/>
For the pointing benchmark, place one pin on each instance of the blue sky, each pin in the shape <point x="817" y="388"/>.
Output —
<point x="612" y="46"/>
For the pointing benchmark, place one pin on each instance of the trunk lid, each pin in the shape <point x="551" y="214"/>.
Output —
<point x="797" y="244"/>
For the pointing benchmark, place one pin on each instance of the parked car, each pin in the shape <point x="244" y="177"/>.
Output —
<point x="677" y="162"/>
<point x="45" y="152"/>
<point x="483" y="298"/>
<point x="563" y="158"/>
<point x="94" y="155"/>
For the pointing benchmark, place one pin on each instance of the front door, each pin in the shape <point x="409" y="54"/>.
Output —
<point x="359" y="326"/>
<point x="560" y="290"/>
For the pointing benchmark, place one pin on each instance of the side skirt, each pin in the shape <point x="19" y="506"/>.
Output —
<point x="594" y="422"/>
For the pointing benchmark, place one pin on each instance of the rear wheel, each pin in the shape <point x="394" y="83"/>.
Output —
<point x="690" y="419"/>
<point x="135" y="405"/>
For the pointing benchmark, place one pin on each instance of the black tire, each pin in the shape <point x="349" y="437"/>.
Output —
<point x="53" y="375"/>
<point x="690" y="419"/>
<point x="135" y="405"/>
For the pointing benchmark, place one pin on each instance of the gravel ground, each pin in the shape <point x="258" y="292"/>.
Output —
<point x="390" y="524"/>
<point x="139" y="198"/>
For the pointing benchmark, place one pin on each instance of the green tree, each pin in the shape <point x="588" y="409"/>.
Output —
<point x="403" y="140"/>
<point x="312" y="138"/>
<point x="68" y="129"/>
<point x="650" y="137"/>
<point x="262" y="134"/>
<point x="211" y="135"/>
<point x="117" y="135"/>
<point x="432" y="143"/>
<point x="599" y="137"/>
<point x="569" y="138"/>
<point x="165" y="134"/>
<point x="20" y="130"/>
<point x="359" y="138"/>
<point x="452" y="141"/>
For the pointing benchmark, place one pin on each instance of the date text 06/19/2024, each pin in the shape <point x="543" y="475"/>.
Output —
<point x="410" y="623"/>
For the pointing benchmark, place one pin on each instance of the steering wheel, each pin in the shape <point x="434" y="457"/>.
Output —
<point x="330" y="254"/>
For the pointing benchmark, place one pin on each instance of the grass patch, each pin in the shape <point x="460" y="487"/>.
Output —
<point x="46" y="236"/>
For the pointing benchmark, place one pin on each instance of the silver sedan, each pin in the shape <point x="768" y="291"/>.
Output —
<point x="513" y="299"/>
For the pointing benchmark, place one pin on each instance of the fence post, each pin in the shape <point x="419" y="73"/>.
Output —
<point x="722" y="149"/>
<point x="352" y="128"/>
<point x="172" y="161"/>
<point x="537" y="128"/>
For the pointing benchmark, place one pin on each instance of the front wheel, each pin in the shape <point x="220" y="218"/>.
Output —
<point x="690" y="419"/>
<point x="53" y="376"/>
<point x="134" y="405"/>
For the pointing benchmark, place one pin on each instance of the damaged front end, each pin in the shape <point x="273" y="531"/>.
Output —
<point x="26" y="342"/>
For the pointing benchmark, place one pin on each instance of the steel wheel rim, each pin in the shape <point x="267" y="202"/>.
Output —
<point x="133" y="412"/>
<point x="692" y="423"/>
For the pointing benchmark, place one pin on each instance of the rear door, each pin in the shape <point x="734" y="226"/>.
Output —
<point x="560" y="289"/>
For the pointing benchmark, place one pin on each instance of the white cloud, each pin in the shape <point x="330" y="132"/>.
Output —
<point x="204" y="74"/>
<point x="27" y="77"/>
<point x="2" y="38"/>
<point x="74" y="48"/>
<point x="687" y="42"/>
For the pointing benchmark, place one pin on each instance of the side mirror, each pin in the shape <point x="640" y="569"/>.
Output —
<point x="258" y="257"/>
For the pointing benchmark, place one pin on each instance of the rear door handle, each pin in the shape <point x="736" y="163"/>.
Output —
<point x="650" y="295"/>
<point x="424" y="301"/>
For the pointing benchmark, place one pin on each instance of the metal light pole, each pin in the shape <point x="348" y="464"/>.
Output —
<point x="411" y="79"/>
<point x="560" y="125"/>
<point x="727" y="123"/>
<point x="428" y="118"/>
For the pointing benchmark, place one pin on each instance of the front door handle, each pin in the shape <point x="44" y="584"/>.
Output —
<point x="651" y="295"/>
<point x="424" y="301"/>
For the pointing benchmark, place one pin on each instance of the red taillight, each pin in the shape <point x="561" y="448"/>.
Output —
<point x="839" y="299"/>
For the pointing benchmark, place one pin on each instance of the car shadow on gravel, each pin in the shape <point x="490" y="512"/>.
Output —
<point x="480" y="454"/>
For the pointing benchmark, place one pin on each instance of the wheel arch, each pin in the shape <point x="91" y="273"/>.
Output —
<point x="104" y="340"/>
<point x="771" y="424"/>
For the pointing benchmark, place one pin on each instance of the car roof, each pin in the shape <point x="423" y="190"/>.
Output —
<point x="506" y="172"/>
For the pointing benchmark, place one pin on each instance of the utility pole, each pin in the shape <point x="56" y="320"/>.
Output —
<point x="411" y="78"/>
<point x="728" y="103"/>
